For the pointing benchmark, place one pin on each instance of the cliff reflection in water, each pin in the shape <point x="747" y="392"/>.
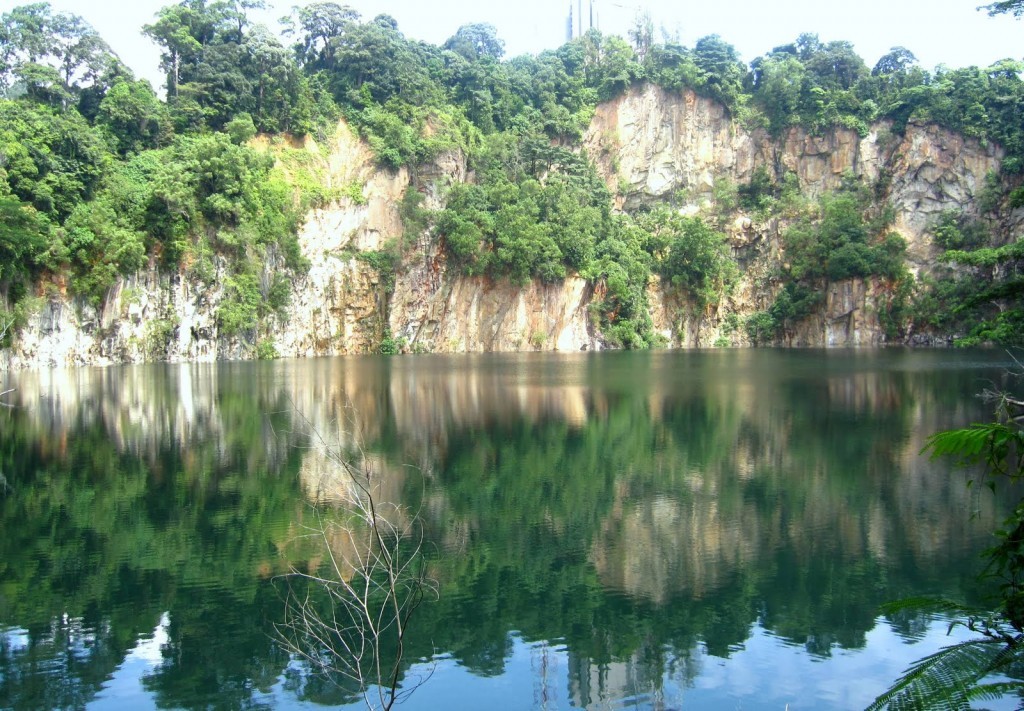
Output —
<point x="636" y="508"/>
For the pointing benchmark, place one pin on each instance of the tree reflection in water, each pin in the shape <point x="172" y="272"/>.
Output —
<point x="640" y="511"/>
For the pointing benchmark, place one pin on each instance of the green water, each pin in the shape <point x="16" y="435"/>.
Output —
<point x="714" y="529"/>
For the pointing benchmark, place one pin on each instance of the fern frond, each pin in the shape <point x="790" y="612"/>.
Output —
<point x="968" y="444"/>
<point x="996" y="690"/>
<point x="945" y="679"/>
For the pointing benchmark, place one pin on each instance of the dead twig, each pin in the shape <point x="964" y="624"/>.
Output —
<point x="349" y="620"/>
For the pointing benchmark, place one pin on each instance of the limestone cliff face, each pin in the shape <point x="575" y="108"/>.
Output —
<point x="648" y="144"/>
<point x="651" y="144"/>
<point x="661" y="142"/>
<point x="338" y="306"/>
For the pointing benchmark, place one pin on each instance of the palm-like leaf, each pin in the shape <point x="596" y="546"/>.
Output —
<point x="950" y="678"/>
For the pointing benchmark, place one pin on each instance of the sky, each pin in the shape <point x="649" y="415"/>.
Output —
<point x="950" y="32"/>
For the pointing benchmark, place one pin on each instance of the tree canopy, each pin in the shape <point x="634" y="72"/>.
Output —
<point x="99" y="172"/>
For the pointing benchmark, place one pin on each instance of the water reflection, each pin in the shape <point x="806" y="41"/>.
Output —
<point x="644" y="510"/>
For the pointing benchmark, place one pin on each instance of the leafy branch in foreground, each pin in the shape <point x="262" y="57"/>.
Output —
<point x="989" y="666"/>
<point x="348" y="619"/>
<point x="952" y="677"/>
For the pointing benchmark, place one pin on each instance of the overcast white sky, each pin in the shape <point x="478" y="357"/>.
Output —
<point x="950" y="32"/>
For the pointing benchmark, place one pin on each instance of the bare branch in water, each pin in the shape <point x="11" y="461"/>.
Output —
<point x="348" y="620"/>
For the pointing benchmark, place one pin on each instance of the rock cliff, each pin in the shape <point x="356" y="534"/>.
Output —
<point x="648" y="144"/>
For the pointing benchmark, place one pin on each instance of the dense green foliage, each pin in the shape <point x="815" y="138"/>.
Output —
<point x="99" y="176"/>
<point x="837" y="241"/>
<point x="691" y="255"/>
<point x="976" y="293"/>
<point x="511" y="224"/>
<point x="843" y="235"/>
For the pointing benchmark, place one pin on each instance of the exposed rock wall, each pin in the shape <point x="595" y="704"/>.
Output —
<point x="651" y="144"/>
<point x="648" y="144"/>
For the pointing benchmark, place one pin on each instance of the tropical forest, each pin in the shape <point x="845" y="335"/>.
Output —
<point x="830" y="203"/>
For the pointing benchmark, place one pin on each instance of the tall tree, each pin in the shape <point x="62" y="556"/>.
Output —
<point x="275" y="78"/>
<point x="896" y="61"/>
<point x="134" y="117"/>
<point x="721" y="68"/>
<point x="318" y="27"/>
<point x="476" y="41"/>
<point x="779" y="86"/>
<point x="182" y="31"/>
<point x="50" y="56"/>
<point x="208" y="73"/>
<point x="641" y="34"/>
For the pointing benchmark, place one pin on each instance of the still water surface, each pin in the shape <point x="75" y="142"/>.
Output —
<point x="699" y="529"/>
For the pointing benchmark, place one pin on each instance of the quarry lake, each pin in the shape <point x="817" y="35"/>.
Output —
<point x="712" y="529"/>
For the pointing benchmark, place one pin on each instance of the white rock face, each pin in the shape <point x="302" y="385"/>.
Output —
<point x="650" y="143"/>
<point x="661" y="144"/>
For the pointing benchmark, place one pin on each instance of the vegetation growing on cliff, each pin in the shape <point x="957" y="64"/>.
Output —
<point x="99" y="176"/>
<point x="843" y="235"/>
<point x="537" y="212"/>
<point x="977" y="295"/>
